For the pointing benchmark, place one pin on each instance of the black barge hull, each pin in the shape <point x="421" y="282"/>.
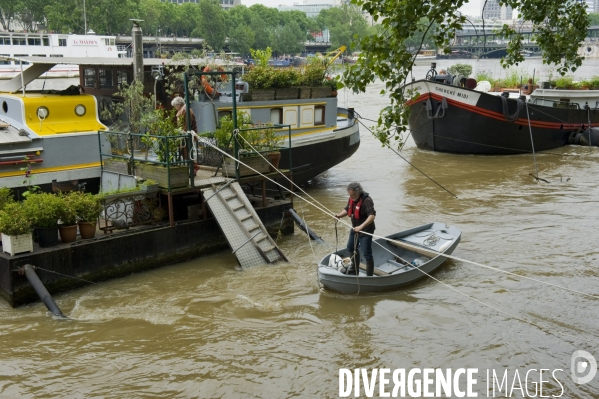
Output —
<point x="452" y="119"/>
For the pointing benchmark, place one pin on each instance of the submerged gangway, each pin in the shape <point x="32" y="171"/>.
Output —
<point x="247" y="236"/>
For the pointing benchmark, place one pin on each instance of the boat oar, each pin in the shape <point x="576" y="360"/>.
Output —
<point x="414" y="248"/>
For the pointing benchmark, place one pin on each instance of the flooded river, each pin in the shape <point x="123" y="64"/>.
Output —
<point x="206" y="329"/>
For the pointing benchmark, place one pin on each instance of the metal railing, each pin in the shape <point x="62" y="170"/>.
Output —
<point x="134" y="149"/>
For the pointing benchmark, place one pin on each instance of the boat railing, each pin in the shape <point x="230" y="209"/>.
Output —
<point x="127" y="153"/>
<point x="557" y="103"/>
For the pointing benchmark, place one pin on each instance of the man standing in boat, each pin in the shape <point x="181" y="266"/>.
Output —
<point x="360" y="208"/>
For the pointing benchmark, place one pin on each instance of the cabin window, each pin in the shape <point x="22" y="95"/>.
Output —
<point x="62" y="42"/>
<point x="56" y="55"/>
<point x="319" y="115"/>
<point x="106" y="79"/>
<point x="276" y="116"/>
<point x="89" y="77"/>
<point x="45" y="41"/>
<point x="39" y="55"/>
<point x="19" y="41"/>
<point x="32" y="41"/>
<point x="4" y="62"/>
<point x="122" y="77"/>
<point x="224" y="113"/>
<point x="5" y="40"/>
<point x="109" y="42"/>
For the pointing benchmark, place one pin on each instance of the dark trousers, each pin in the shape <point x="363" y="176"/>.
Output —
<point x="364" y="245"/>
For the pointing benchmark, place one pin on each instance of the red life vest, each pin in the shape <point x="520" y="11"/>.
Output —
<point x="354" y="208"/>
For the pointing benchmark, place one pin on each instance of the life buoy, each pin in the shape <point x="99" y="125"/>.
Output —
<point x="209" y="89"/>
<point x="109" y="48"/>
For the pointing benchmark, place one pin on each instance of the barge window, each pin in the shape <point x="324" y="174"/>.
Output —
<point x="34" y="41"/>
<point x="4" y="62"/>
<point x="122" y="77"/>
<point x="19" y="41"/>
<point x="56" y="55"/>
<point x="276" y="116"/>
<point x="89" y="77"/>
<point x="319" y="115"/>
<point x="62" y="42"/>
<point x="109" y="42"/>
<point x="46" y="41"/>
<point x="106" y="79"/>
<point x="5" y="40"/>
<point x="224" y="113"/>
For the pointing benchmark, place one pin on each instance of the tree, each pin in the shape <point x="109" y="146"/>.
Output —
<point x="212" y="27"/>
<point x="289" y="38"/>
<point x="346" y="24"/>
<point x="65" y="16"/>
<point x="560" y="26"/>
<point x="241" y="39"/>
<point x="30" y="12"/>
<point x="8" y="10"/>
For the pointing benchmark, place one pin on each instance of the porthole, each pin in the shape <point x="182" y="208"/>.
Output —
<point x="5" y="107"/>
<point x="42" y="112"/>
<point x="80" y="110"/>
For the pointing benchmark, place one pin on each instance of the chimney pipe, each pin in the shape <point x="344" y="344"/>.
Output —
<point x="138" y="54"/>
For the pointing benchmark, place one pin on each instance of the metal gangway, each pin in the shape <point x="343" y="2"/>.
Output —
<point x="247" y="236"/>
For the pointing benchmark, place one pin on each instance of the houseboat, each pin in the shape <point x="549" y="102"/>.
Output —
<point x="53" y="135"/>
<point x="446" y="117"/>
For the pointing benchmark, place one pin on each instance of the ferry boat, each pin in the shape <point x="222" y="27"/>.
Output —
<point x="17" y="45"/>
<point x="54" y="135"/>
<point x="446" y="117"/>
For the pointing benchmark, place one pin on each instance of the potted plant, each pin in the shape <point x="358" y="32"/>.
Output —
<point x="332" y="83"/>
<point x="68" y="218"/>
<point x="6" y="198"/>
<point x="44" y="210"/>
<point x="88" y="208"/>
<point x="161" y="137"/>
<point x="149" y="186"/>
<point x="271" y="142"/>
<point x="16" y="229"/>
<point x="284" y="80"/>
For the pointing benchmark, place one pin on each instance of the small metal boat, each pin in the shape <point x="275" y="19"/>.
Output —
<point x="395" y="265"/>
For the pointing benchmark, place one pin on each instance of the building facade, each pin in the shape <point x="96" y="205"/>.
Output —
<point x="493" y="10"/>
<point x="311" y="7"/>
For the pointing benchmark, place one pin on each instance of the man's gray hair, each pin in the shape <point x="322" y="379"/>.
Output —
<point x="178" y="101"/>
<point x="356" y="188"/>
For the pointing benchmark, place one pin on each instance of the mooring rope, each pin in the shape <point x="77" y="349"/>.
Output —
<point x="61" y="274"/>
<point x="407" y="244"/>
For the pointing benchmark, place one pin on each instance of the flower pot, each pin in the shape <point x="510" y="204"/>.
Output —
<point x="274" y="158"/>
<point x="255" y="162"/>
<point x="304" y="92"/>
<point x="17" y="244"/>
<point x="321" y="92"/>
<point x="291" y="93"/>
<point x="47" y="237"/>
<point x="68" y="233"/>
<point x="179" y="175"/>
<point x="262" y="94"/>
<point x="87" y="229"/>
<point x="334" y="93"/>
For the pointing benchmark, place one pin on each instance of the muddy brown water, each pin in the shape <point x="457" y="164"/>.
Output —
<point x="207" y="329"/>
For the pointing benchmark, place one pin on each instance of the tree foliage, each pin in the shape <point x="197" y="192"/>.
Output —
<point x="256" y="27"/>
<point x="560" y="26"/>
<point x="346" y="25"/>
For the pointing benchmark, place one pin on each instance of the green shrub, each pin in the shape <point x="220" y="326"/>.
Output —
<point x="68" y="213"/>
<point x="87" y="206"/>
<point x="6" y="197"/>
<point x="43" y="209"/>
<point x="14" y="220"/>
<point x="460" y="69"/>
